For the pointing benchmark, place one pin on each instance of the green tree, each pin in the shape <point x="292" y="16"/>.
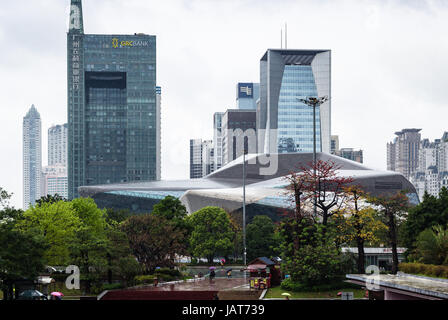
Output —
<point x="88" y="248"/>
<point x="432" y="246"/>
<point x="430" y="212"/>
<point x="57" y="222"/>
<point x="211" y="234"/>
<point x="153" y="241"/>
<point x="21" y="252"/>
<point x="174" y="211"/>
<point x="309" y="253"/>
<point x="357" y="223"/>
<point x="50" y="199"/>
<point x="392" y="210"/>
<point x="261" y="239"/>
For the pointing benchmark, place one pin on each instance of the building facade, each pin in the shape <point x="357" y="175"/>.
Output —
<point x="238" y="131"/>
<point x="217" y="140"/>
<point x="57" y="144"/>
<point x="403" y="152"/>
<point x="113" y="121"/>
<point x="432" y="169"/>
<point x="55" y="180"/>
<point x="32" y="157"/>
<point x="247" y="94"/>
<point x="195" y="158"/>
<point x="284" y="123"/>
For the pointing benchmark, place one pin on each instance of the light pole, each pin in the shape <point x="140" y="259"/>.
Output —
<point x="314" y="102"/>
<point x="244" y="205"/>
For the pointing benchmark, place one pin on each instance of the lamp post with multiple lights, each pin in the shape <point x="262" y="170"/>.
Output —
<point x="314" y="102"/>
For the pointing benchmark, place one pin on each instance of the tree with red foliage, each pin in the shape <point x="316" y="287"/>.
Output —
<point x="324" y="187"/>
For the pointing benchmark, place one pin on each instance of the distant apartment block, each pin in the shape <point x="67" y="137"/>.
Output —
<point x="201" y="158"/>
<point x="403" y="152"/>
<point x="57" y="144"/>
<point x="347" y="153"/>
<point x="432" y="169"/>
<point x="55" y="180"/>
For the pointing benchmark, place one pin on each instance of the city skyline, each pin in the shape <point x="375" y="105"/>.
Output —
<point x="367" y="80"/>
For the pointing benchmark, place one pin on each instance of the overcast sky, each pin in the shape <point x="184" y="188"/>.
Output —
<point x="389" y="65"/>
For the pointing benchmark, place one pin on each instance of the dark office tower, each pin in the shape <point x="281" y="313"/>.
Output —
<point x="286" y="76"/>
<point x="112" y="111"/>
<point x="238" y="133"/>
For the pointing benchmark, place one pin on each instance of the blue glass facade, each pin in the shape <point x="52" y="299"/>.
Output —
<point x="295" y="119"/>
<point x="284" y="123"/>
<point x="112" y="112"/>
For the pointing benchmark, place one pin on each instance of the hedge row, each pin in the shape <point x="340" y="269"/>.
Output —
<point x="429" y="270"/>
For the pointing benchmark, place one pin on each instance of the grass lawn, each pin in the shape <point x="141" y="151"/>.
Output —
<point x="276" y="292"/>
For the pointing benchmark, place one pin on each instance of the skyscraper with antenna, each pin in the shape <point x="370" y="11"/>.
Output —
<point x="113" y="109"/>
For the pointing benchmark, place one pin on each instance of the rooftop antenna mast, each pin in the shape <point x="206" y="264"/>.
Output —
<point x="286" y="36"/>
<point x="281" y="38"/>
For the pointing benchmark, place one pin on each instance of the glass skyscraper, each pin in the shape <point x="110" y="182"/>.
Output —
<point x="113" y="114"/>
<point x="286" y="124"/>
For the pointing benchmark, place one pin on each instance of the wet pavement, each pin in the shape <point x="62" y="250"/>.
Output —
<point x="217" y="284"/>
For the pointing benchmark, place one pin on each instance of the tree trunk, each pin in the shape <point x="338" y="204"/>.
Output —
<point x="393" y="243"/>
<point x="361" y="255"/>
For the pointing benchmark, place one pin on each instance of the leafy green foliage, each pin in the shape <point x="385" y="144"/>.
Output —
<point x="430" y="212"/>
<point x="21" y="251"/>
<point x="260" y="237"/>
<point x="50" y="199"/>
<point x="424" y="269"/>
<point x="211" y="233"/>
<point x="432" y="246"/>
<point x="57" y="224"/>
<point x="153" y="241"/>
<point x="310" y="255"/>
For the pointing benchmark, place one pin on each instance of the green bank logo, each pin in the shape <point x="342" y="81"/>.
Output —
<point x="126" y="43"/>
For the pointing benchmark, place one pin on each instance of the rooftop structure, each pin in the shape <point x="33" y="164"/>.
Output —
<point x="265" y="191"/>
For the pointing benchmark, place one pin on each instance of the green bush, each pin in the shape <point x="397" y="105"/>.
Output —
<point x="145" y="279"/>
<point x="113" y="286"/>
<point x="429" y="270"/>
<point x="169" y="272"/>
<point x="289" y="285"/>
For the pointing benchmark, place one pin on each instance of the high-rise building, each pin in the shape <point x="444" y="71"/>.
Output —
<point x="247" y="94"/>
<point x="432" y="169"/>
<point x="195" y="158"/>
<point x="201" y="158"/>
<point x="57" y="144"/>
<point x="347" y="153"/>
<point x="113" y="122"/>
<point x="158" y="133"/>
<point x="32" y="157"/>
<point x="403" y="152"/>
<point x="286" y="76"/>
<point x="217" y="140"/>
<point x="238" y="127"/>
<point x="207" y="157"/>
<point x="55" y="180"/>
<point x="350" y="154"/>
<point x="334" y="146"/>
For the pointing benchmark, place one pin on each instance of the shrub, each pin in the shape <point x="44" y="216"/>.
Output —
<point x="429" y="270"/>
<point x="337" y="284"/>
<point x="145" y="279"/>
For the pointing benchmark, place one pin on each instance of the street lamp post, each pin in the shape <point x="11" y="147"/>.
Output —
<point x="314" y="103"/>
<point x="244" y="206"/>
